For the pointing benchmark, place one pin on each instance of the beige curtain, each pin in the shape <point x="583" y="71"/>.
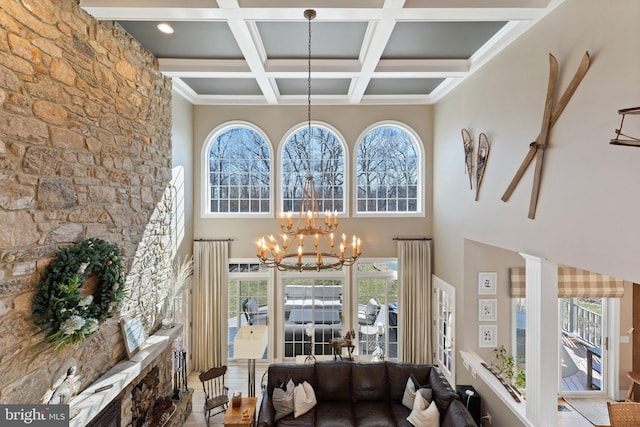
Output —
<point x="210" y="305"/>
<point x="414" y="300"/>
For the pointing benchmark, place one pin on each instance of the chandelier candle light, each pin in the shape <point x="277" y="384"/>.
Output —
<point x="319" y="233"/>
<point x="320" y="239"/>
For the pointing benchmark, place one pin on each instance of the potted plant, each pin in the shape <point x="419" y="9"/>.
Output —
<point x="506" y="366"/>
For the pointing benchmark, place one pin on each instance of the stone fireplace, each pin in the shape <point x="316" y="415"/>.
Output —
<point x="136" y="384"/>
<point x="85" y="151"/>
<point x="143" y="397"/>
<point x="109" y="416"/>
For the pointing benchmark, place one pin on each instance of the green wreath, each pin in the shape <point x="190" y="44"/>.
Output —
<point x="59" y="307"/>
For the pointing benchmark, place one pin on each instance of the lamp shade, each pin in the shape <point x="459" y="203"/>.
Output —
<point x="250" y="342"/>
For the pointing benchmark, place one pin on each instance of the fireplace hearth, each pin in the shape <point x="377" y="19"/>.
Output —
<point x="133" y="386"/>
<point x="109" y="416"/>
<point x="143" y="397"/>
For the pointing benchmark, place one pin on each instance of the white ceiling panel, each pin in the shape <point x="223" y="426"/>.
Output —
<point x="318" y="86"/>
<point x="223" y="86"/>
<point x="439" y="40"/>
<point x="286" y="40"/>
<point x="402" y="86"/>
<point x="201" y="40"/>
<point x="254" y="52"/>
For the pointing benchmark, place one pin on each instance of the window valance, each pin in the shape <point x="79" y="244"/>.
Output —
<point x="573" y="282"/>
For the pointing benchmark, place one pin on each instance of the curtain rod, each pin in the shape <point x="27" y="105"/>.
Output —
<point x="213" y="240"/>
<point x="411" y="238"/>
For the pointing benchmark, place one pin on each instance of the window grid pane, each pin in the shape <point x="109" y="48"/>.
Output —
<point x="312" y="313"/>
<point x="445" y="334"/>
<point x="387" y="172"/>
<point x="248" y="303"/>
<point x="239" y="172"/>
<point x="323" y="158"/>
<point x="378" y="309"/>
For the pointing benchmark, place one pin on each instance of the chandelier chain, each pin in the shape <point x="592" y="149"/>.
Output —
<point x="313" y="237"/>
<point x="309" y="16"/>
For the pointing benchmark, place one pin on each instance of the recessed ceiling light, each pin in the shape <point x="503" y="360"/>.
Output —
<point x="165" y="28"/>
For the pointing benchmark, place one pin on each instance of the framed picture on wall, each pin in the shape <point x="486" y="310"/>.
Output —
<point x="487" y="282"/>
<point x="133" y="332"/>
<point x="487" y="310"/>
<point x="488" y="336"/>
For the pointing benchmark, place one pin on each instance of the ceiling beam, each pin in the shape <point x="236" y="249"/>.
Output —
<point x="378" y="34"/>
<point x="220" y="68"/>
<point x="257" y="100"/>
<point x="204" y="10"/>
<point x="321" y="68"/>
<point x="252" y="50"/>
<point x="242" y="17"/>
<point x="423" y="67"/>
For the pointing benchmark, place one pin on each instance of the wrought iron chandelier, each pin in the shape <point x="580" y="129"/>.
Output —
<point x="313" y="236"/>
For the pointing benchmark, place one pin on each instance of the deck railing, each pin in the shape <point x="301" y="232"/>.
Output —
<point x="581" y="323"/>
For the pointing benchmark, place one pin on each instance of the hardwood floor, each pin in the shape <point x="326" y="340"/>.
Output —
<point x="571" y="418"/>
<point x="237" y="379"/>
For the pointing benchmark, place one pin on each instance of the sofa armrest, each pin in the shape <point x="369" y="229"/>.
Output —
<point x="457" y="415"/>
<point x="443" y="394"/>
<point x="267" y="413"/>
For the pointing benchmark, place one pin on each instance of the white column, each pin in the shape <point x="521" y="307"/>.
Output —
<point x="542" y="341"/>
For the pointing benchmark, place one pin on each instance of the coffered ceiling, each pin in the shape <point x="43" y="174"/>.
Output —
<point x="254" y="52"/>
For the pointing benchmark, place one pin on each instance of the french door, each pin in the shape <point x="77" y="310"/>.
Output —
<point x="584" y="345"/>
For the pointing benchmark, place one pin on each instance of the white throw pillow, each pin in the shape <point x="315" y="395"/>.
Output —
<point x="423" y="413"/>
<point x="410" y="391"/>
<point x="283" y="400"/>
<point x="304" y="399"/>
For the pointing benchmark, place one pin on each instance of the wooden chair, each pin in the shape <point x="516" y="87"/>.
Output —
<point x="215" y="391"/>
<point x="624" y="414"/>
<point x="633" y="394"/>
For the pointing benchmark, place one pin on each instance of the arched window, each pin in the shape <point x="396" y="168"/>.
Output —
<point x="323" y="157"/>
<point x="238" y="171"/>
<point x="389" y="170"/>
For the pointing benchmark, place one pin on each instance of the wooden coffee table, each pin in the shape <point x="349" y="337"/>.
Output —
<point x="233" y="417"/>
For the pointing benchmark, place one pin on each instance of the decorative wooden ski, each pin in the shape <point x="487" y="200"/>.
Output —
<point x="631" y="141"/>
<point x="550" y="116"/>
<point x="467" y="142"/>
<point x="481" y="159"/>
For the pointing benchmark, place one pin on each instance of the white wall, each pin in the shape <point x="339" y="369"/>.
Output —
<point x="182" y="155"/>
<point x="587" y="213"/>
<point x="350" y="122"/>
<point x="589" y="201"/>
<point x="479" y="257"/>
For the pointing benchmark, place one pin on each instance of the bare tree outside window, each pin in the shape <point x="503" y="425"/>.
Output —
<point x="387" y="172"/>
<point x="322" y="158"/>
<point x="239" y="172"/>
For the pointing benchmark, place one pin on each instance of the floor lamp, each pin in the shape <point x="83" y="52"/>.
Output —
<point x="308" y="330"/>
<point x="250" y="343"/>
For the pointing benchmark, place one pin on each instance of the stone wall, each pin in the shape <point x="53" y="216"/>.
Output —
<point x="85" y="151"/>
<point x="164" y="364"/>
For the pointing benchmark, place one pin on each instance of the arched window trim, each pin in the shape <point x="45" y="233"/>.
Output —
<point x="421" y="170"/>
<point x="345" y="151"/>
<point x="204" y="172"/>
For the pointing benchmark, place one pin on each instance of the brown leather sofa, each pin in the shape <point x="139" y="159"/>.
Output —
<point x="361" y="394"/>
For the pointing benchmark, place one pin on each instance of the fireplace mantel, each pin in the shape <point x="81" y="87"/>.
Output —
<point x="90" y="402"/>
